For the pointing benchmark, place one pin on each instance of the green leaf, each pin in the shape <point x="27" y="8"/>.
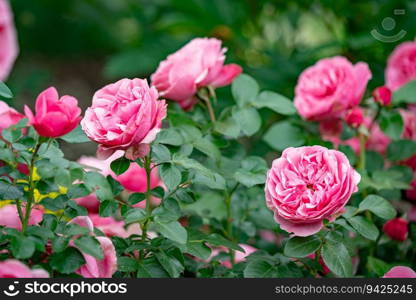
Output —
<point x="9" y="191"/>
<point x="172" y="230"/>
<point x="198" y="249"/>
<point x="135" y="215"/>
<point x="22" y="247"/>
<point x="76" y="136"/>
<point x="391" y="123"/>
<point x="401" y="150"/>
<point x="248" y="119"/>
<point x="169" y="136"/>
<point x="249" y="179"/>
<point x="283" y="135"/>
<point x="136" y="198"/>
<point x="207" y="147"/>
<point x="59" y="243"/>
<point x="244" y="89"/>
<point x="161" y="153"/>
<point x="337" y="258"/>
<point x="377" y="266"/>
<point x="108" y="208"/>
<point x="5" y="92"/>
<point x="405" y="94"/>
<point x="275" y="102"/>
<point x="89" y="245"/>
<point x="120" y="165"/>
<point x="127" y="264"/>
<point x="364" y="227"/>
<point x="217" y="240"/>
<point x="189" y="163"/>
<point x="260" y="269"/>
<point x="151" y="268"/>
<point x="378" y="206"/>
<point x="302" y="246"/>
<point x="170" y="175"/>
<point x="172" y="266"/>
<point x="228" y="127"/>
<point x="67" y="261"/>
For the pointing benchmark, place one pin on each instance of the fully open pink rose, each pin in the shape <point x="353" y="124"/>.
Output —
<point x="198" y="64"/>
<point x="8" y="41"/>
<point x="9" y="216"/>
<point x="8" y="116"/>
<point x="401" y="66"/>
<point x="12" y="268"/>
<point x="55" y="116"/>
<point x="400" y="272"/>
<point x="125" y="115"/>
<point x="307" y="185"/>
<point x="330" y="87"/>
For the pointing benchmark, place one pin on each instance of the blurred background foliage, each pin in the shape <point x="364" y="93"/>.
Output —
<point x="80" y="45"/>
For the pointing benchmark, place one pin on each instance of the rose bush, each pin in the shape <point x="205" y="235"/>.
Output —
<point x="176" y="189"/>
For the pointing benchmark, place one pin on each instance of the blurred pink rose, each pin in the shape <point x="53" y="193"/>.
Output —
<point x="125" y="115"/>
<point x="400" y="272"/>
<point x="9" y="216"/>
<point x="55" y="116"/>
<point x="8" y="115"/>
<point x="331" y="130"/>
<point x="97" y="268"/>
<point x="411" y="215"/>
<point x="396" y="229"/>
<point x="134" y="179"/>
<point x="325" y="269"/>
<point x="307" y="185"/>
<point x="12" y="268"/>
<point x="109" y="226"/>
<point x="401" y="66"/>
<point x="409" y="123"/>
<point x="330" y="87"/>
<point x="238" y="258"/>
<point x="411" y="193"/>
<point x="104" y="268"/>
<point x="90" y="202"/>
<point x="9" y="47"/>
<point x="382" y="95"/>
<point x="198" y="64"/>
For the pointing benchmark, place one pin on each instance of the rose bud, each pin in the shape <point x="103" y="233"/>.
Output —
<point x="308" y="185"/>
<point x="55" y="116"/>
<point x="198" y="64"/>
<point x="125" y="115"/>
<point x="8" y="41"/>
<point x="400" y="272"/>
<point x="355" y="117"/>
<point x="329" y="88"/>
<point x="382" y="95"/>
<point x="396" y="229"/>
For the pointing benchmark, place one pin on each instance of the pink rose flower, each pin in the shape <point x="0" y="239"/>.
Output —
<point x="330" y="87"/>
<point x="125" y="115"/>
<point x="411" y="193"/>
<point x="382" y="95"/>
<point x="396" y="229"/>
<point x="238" y="258"/>
<point x="97" y="268"/>
<point x="12" y="268"/>
<point x="409" y="123"/>
<point x="307" y="185"/>
<point x="55" y="116"/>
<point x="400" y="272"/>
<point x="8" y="116"/>
<point x="9" y="216"/>
<point x="90" y="202"/>
<point x="401" y="66"/>
<point x="198" y="64"/>
<point x="9" y="47"/>
<point x="411" y="215"/>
